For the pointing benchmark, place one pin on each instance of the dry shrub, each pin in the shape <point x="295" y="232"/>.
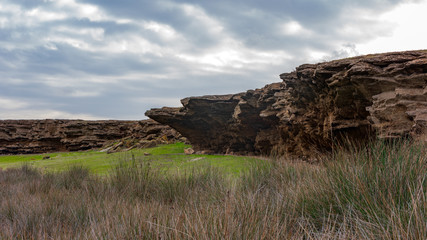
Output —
<point x="377" y="192"/>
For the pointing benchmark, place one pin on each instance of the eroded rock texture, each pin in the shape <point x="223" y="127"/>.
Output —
<point x="382" y="95"/>
<point x="41" y="136"/>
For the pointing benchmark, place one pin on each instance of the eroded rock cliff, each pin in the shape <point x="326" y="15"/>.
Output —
<point x="41" y="136"/>
<point x="382" y="95"/>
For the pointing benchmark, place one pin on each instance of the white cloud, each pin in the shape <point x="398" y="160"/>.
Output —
<point x="165" y="31"/>
<point x="409" y="31"/>
<point x="45" y="16"/>
<point x="133" y="44"/>
<point x="159" y="101"/>
<point x="90" y="39"/>
<point x="82" y="32"/>
<point x="80" y="93"/>
<point x="63" y="86"/>
<point x="50" y="46"/>
<point x="17" y="16"/>
<point x="294" y="28"/>
<point x="316" y="55"/>
<point x="363" y="24"/>
<point x="200" y="17"/>
<point x="80" y="10"/>
<point x="12" y="104"/>
<point x="231" y="56"/>
<point x="46" y="114"/>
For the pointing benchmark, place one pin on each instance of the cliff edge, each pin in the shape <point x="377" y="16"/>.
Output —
<point x="316" y="105"/>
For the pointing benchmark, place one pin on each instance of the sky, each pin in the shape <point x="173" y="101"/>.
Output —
<point x="109" y="59"/>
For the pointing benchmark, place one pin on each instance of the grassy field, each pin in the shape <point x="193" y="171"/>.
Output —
<point x="167" y="157"/>
<point x="377" y="192"/>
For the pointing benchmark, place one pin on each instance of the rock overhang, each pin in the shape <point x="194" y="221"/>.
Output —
<point x="377" y="95"/>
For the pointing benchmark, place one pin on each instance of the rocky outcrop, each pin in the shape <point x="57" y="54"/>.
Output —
<point x="41" y="136"/>
<point x="316" y="105"/>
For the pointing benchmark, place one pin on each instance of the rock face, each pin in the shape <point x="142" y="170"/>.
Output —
<point x="382" y="95"/>
<point x="41" y="136"/>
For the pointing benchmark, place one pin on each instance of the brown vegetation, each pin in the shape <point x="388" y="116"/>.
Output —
<point x="375" y="193"/>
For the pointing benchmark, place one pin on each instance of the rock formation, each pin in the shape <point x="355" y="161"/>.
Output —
<point x="41" y="136"/>
<point x="382" y="95"/>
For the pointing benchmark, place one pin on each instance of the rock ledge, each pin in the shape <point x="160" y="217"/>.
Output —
<point x="42" y="136"/>
<point x="382" y="95"/>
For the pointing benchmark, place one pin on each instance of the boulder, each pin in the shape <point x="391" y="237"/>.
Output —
<point x="312" y="109"/>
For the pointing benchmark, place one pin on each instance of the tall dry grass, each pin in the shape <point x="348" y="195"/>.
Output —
<point x="378" y="192"/>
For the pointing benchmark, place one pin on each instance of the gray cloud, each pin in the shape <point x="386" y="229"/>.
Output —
<point x="116" y="59"/>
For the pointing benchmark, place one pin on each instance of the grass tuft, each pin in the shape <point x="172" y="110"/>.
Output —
<point x="382" y="186"/>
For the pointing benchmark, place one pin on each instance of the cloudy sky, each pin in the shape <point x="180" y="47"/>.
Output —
<point x="110" y="59"/>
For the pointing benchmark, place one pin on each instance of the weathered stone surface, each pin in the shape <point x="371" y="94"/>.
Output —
<point x="382" y="95"/>
<point x="40" y="136"/>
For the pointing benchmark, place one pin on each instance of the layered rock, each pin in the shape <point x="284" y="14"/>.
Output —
<point x="315" y="106"/>
<point x="41" y="136"/>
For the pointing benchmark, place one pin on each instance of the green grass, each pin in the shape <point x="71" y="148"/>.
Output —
<point x="169" y="157"/>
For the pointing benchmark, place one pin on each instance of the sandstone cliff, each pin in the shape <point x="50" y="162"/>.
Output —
<point x="382" y="95"/>
<point x="41" y="136"/>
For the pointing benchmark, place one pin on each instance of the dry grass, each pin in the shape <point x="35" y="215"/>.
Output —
<point x="375" y="193"/>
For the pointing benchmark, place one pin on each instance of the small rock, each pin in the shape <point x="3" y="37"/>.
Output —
<point x="106" y="149"/>
<point x="147" y="154"/>
<point x="197" y="159"/>
<point x="206" y="152"/>
<point x="188" y="151"/>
